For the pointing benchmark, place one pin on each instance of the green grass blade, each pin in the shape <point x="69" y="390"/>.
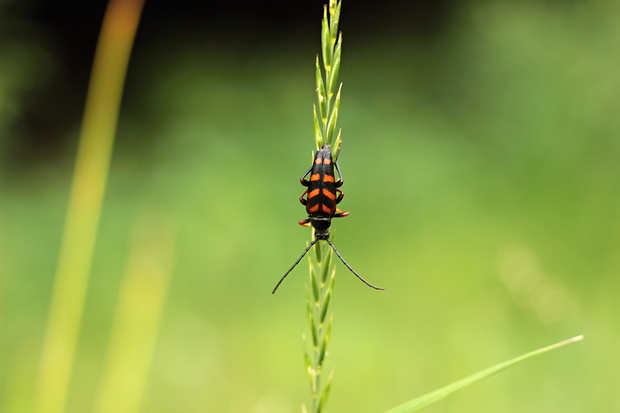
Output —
<point x="334" y="12"/>
<point x="138" y="317"/>
<point x="326" y="41"/>
<point x="321" y="93"/>
<point x="433" y="397"/>
<point x="332" y="78"/>
<point x="333" y="119"/>
<point x="325" y="305"/>
<point x="318" y="253"/>
<point x="318" y="134"/>
<point x="315" y="282"/>
<point x="88" y="188"/>
<point x="326" y="267"/>
<point x="328" y="386"/>
<point x="336" y="146"/>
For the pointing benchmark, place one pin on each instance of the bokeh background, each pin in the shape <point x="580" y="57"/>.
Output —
<point x="480" y="152"/>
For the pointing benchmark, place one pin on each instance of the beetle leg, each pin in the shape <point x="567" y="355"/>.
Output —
<point x="340" y="195"/>
<point x="340" y="213"/>
<point x="303" y="200"/>
<point x="305" y="222"/>
<point x="303" y="181"/>
<point x="340" y="181"/>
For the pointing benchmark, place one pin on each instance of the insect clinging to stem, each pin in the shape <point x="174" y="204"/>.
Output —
<point x="322" y="196"/>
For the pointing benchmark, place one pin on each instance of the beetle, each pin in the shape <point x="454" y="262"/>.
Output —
<point x="320" y="199"/>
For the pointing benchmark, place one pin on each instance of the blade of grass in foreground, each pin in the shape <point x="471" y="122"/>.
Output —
<point x="433" y="397"/>
<point x="85" y="202"/>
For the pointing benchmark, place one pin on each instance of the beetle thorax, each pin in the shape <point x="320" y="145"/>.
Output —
<point x="321" y="227"/>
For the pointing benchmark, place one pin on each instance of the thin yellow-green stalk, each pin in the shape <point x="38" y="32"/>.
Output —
<point x="84" y="209"/>
<point x="322" y="269"/>
<point x="318" y="297"/>
<point x="138" y="315"/>
<point x="439" y="394"/>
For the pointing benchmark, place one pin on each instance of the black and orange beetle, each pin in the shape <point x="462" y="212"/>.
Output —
<point x="321" y="198"/>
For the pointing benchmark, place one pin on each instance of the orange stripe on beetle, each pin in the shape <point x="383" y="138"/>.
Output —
<point x="314" y="193"/>
<point x="329" y="194"/>
<point x="315" y="177"/>
<point x="327" y="178"/>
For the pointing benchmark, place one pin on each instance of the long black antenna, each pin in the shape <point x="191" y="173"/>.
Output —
<point x="297" y="262"/>
<point x="349" y="267"/>
<point x="339" y="256"/>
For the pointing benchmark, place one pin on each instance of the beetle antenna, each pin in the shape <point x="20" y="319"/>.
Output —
<point x="297" y="262"/>
<point x="349" y="267"/>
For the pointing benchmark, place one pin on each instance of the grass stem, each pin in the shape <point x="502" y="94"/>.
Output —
<point x="322" y="270"/>
<point x="138" y="315"/>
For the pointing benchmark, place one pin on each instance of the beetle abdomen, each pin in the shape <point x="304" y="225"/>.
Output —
<point x="321" y="201"/>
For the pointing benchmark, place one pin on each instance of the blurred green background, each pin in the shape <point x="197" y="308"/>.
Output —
<point x="480" y="153"/>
